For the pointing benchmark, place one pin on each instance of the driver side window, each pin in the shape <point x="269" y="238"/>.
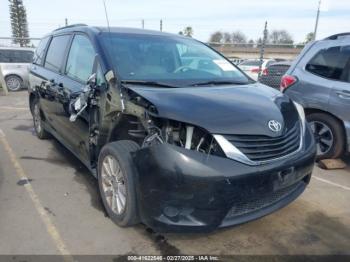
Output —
<point x="80" y="59"/>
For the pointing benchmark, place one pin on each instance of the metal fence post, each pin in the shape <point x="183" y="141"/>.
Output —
<point x="262" y="50"/>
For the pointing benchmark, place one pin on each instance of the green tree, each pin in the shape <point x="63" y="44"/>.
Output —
<point x="239" y="38"/>
<point x="280" y="37"/>
<point x="216" y="37"/>
<point x="227" y="38"/>
<point x="188" y="31"/>
<point x="19" y="24"/>
<point x="309" y="37"/>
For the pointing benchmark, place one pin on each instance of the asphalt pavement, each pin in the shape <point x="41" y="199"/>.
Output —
<point x="49" y="204"/>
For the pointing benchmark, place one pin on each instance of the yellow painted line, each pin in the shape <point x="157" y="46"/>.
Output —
<point x="50" y="227"/>
<point x="13" y="108"/>
<point x="330" y="182"/>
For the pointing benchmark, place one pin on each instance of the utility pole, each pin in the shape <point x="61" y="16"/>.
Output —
<point x="262" y="49"/>
<point x="317" y="18"/>
<point x="161" y="25"/>
<point x="66" y="22"/>
<point x="143" y="23"/>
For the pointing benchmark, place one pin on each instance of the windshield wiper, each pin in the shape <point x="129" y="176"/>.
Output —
<point x="219" y="82"/>
<point x="147" y="83"/>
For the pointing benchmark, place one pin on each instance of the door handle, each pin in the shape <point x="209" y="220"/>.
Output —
<point x="343" y="94"/>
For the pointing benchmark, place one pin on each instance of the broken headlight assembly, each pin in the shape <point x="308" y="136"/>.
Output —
<point x="183" y="135"/>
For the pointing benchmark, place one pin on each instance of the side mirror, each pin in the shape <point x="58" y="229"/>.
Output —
<point x="81" y="102"/>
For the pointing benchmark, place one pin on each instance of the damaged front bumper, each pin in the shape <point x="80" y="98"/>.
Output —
<point x="187" y="191"/>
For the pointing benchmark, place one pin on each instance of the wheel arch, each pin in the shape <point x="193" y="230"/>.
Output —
<point x="13" y="74"/>
<point x="121" y="129"/>
<point x="32" y="97"/>
<point x="309" y="111"/>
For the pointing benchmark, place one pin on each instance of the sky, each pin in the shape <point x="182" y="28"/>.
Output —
<point x="205" y="17"/>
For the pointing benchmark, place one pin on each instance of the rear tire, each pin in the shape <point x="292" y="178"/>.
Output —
<point x="117" y="182"/>
<point x="329" y="135"/>
<point x="40" y="131"/>
<point x="14" y="83"/>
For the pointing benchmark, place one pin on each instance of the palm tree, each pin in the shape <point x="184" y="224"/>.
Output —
<point x="188" y="31"/>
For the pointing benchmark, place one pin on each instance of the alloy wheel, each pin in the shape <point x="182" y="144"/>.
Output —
<point x="323" y="136"/>
<point x="113" y="184"/>
<point x="13" y="83"/>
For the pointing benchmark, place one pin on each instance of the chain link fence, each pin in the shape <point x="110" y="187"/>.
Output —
<point x="276" y="59"/>
<point x="19" y="42"/>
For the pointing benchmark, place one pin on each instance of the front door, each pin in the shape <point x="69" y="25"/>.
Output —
<point x="79" y="67"/>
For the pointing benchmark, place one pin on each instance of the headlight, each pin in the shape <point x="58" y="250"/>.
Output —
<point x="301" y="113"/>
<point x="183" y="135"/>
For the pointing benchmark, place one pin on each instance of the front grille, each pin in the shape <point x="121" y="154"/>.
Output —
<point x="264" y="148"/>
<point x="249" y="204"/>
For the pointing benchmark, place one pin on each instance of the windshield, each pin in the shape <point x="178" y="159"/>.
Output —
<point x="173" y="60"/>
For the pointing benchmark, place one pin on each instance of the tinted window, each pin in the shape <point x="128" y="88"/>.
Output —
<point x="81" y="58"/>
<point x="40" y="51"/>
<point x="16" y="56"/>
<point x="251" y="63"/>
<point x="55" y="54"/>
<point x="330" y="63"/>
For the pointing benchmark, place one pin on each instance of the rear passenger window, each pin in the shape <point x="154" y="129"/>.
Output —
<point x="81" y="59"/>
<point x="55" y="54"/>
<point x="331" y="63"/>
<point x="40" y="51"/>
<point x="16" y="56"/>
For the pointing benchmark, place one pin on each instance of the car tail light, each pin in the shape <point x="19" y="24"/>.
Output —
<point x="287" y="81"/>
<point x="255" y="70"/>
<point x="265" y="72"/>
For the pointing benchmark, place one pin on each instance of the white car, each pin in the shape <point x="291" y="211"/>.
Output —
<point x="251" y="67"/>
<point x="14" y="65"/>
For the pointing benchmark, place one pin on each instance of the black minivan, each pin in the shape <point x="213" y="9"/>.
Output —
<point x="178" y="137"/>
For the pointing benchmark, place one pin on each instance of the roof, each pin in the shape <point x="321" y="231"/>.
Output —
<point x="336" y="36"/>
<point x="119" y="30"/>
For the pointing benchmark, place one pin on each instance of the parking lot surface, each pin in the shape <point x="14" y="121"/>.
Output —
<point x="49" y="204"/>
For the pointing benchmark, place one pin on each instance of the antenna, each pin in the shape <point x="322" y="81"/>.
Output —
<point x="118" y="80"/>
<point x="104" y="4"/>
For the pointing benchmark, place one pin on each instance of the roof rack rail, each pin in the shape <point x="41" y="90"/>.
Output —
<point x="335" y="37"/>
<point x="70" y="26"/>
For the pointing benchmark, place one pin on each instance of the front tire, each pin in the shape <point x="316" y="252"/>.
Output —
<point x="329" y="135"/>
<point x="14" y="83"/>
<point x="117" y="182"/>
<point x="40" y="131"/>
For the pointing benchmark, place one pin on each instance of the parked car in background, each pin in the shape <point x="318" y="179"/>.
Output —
<point x="176" y="135"/>
<point x="236" y="60"/>
<point x="252" y="66"/>
<point x="319" y="79"/>
<point x="272" y="75"/>
<point x="14" y="65"/>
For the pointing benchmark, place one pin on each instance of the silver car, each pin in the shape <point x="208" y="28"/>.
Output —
<point x="319" y="79"/>
<point x="14" y="64"/>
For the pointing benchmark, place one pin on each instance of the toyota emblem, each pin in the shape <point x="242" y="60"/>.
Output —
<point x="275" y="126"/>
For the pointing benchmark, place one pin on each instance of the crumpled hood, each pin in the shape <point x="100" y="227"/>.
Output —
<point x="231" y="109"/>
